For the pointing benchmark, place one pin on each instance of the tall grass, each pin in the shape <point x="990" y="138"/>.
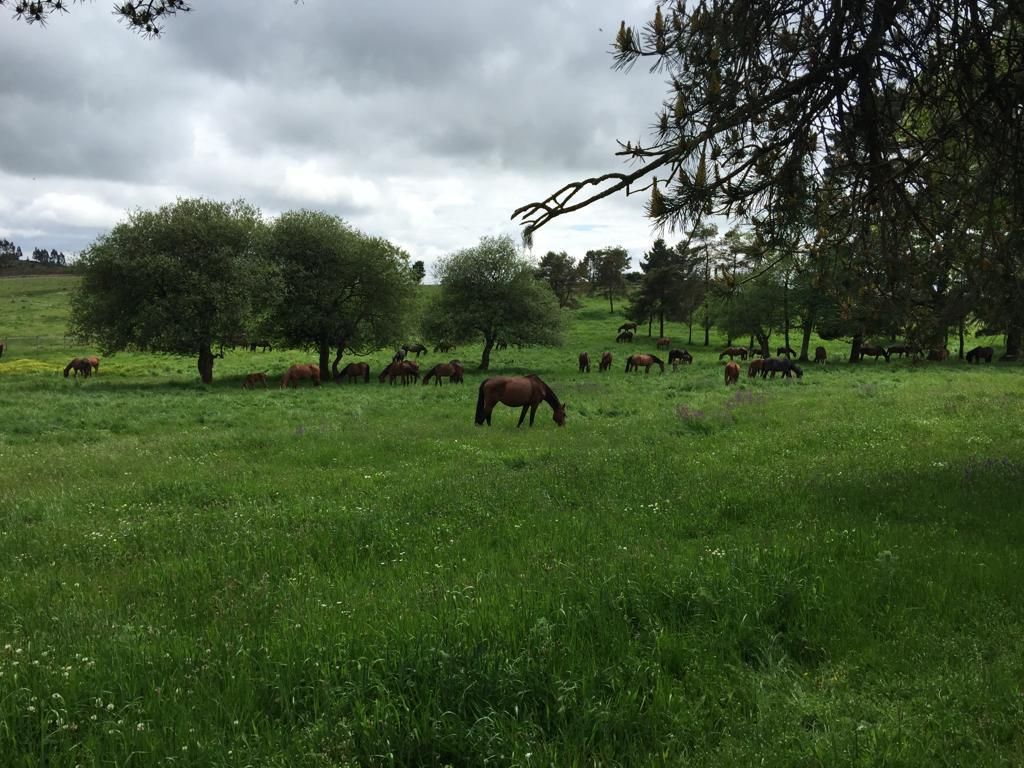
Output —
<point x="817" y="572"/>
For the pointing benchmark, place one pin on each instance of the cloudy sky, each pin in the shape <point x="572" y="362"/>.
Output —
<point x="425" y="123"/>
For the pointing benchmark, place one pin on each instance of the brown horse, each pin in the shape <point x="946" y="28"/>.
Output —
<point x="787" y="351"/>
<point x="584" y="362"/>
<point x="870" y="350"/>
<point x="938" y="354"/>
<point x="95" y="363"/>
<point x="515" y="391"/>
<point x="401" y="369"/>
<point x="627" y="327"/>
<point x="677" y="356"/>
<point x="298" y="372"/>
<point x="444" y="370"/>
<point x="978" y="354"/>
<point x="80" y="365"/>
<point x="354" y="372"/>
<point x="900" y="350"/>
<point x="501" y="344"/>
<point x="625" y="337"/>
<point x="663" y="343"/>
<point x="732" y="373"/>
<point x="255" y="378"/>
<point x="755" y="368"/>
<point x="740" y="352"/>
<point x="606" y="362"/>
<point x="820" y="355"/>
<point x="634" y="363"/>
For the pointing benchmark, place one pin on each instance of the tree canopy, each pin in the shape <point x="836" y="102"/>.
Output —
<point x="144" y="16"/>
<point x="490" y="292"/>
<point x="340" y="289"/>
<point x="179" y="279"/>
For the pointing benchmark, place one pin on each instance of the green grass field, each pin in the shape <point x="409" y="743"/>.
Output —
<point x="824" y="572"/>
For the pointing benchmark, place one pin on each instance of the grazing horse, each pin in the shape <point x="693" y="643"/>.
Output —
<point x="401" y="369"/>
<point x="625" y="337"/>
<point x="820" y="355"/>
<point x="788" y="351"/>
<point x="444" y="346"/>
<point x="95" y="363"/>
<point x="514" y="391"/>
<point x="732" y="373"/>
<point x="677" y="356"/>
<point x="458" y="376"/>
<point x="416" y="349"/>
<point x="869" y="350"/>
<point x="754" y="352"/>
<point x="263" y="344"/>
<point x="252" y="379"/>
<point x="900" y="350"/>
<point x="442" y="370"/>
<point x="298" y="372"/>
<point x="740" y="352"/>
<point x="80" y="365"/>
<point x="398" y="357"/>
<point x="663" y="343"/>
<point x="782" y="365"/>
<point x="756" y="366"/>
<point x="938" y="354"/>
<point x="353" y="372"/>
<point x="606" y="362"/>
<point x="501" y="344"/>
<point x="978" y="354"/>
<point x="627" y="327"/>
<point x="634" y="363"/>
<point x="584" y="362"/>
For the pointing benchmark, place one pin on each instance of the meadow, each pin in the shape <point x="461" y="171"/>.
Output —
<point x="822" y="572"/>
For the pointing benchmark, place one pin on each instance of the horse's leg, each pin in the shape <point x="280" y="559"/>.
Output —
<point x="522" y="416"/>
<point x="533" y="412"/>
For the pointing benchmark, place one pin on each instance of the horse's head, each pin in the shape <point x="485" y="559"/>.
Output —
<point x="559" y="416"/>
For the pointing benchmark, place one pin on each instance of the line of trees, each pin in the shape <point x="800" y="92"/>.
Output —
<point x="11" y="254"/>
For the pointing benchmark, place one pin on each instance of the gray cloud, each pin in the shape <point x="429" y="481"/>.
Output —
<point x="424" y="123"/>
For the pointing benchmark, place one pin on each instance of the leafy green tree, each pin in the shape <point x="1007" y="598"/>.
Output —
<point x="606" y="268"/>
<point x="564" y="276"/>
<point x="490" y="292"/>
<point x="179" y="280"/>
<point x="340" y="289"/>
<point x="10" y="254"/>
<point x="419" y="271"/>
<point x="671" y="286"/>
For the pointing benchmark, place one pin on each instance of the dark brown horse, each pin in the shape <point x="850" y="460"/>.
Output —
<point x="354" y="372"/>
<point x="584" y="362"/>
<point x="635" y="362"/>
<point x="627" y="327"/>
<point x="732" y="373"/>
<point x="663" y="343"/>
<point x="740" y="352"/>
<point x="501" y="344"/>
<point x="820" y="355"/>
<point x="978" y="354"/>
<point x="444" y="370"/>
<point x="80" y="365"/>
<point x="401" y="369"/>
<point x="677" y="356"/>
<point x="516" y="391"/>
<point x="624" y="337"/>
<point x="870" y="350"/>
<point x="755" y="368"/>
<point x="606" y="362"/>
<point x="788" y="351"/>
<point x="415" y="349"/>
<point x="457" y="377"/>
<point x="252" y="379"/>
<point x="298" y="372"/>
<point x="900" y="350"/>
<point x="938" y="354"/>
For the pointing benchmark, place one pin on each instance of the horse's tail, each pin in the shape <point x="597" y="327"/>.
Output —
<point x="659" y="362"/>
<point x="480" y="403"/>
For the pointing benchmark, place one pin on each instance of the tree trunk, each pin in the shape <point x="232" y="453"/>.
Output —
<point x="650" y="325"/>
<point x="805" y="342"/>
<point x="205" y="363"/>
<point x="1013" y="342"/>
<point x="611" y="302"/>
<point x="689" y="338"/>
<point x="858" y="340"/>
<point x="325" y="358"/>
<point x="485" y="358"/>
<point x="763" y="340"/>
<point x="785" y="312"/>
<point x="960" y="354"/>
<point x="337" y="359"/>
<point x="707" y="327"/>
<point x="661" y="325"/>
